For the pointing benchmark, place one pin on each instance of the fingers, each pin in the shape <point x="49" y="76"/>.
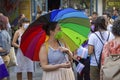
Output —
<point x="66" y="65"/>
<point x="63" y="49"/>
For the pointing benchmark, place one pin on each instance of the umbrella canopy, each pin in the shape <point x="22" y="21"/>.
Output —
<point x="74" y="25"/>
<point x="75" y="28"/>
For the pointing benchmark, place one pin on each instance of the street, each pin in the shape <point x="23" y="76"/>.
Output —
<point x="37" y="75"/>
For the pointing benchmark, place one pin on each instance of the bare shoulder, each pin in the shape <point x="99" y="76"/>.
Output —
<point x="43" y="52"/>
<point x="43" y="48"/>
<point x="18" y="31"/>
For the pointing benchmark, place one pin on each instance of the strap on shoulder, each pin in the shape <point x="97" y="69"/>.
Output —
<point x="61" y="43"/>
<point x="100" y="38"/>
<point x="108" y="36"/>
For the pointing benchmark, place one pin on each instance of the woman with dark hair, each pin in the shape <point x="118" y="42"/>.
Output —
<point x="95" y="45"/>
<point x="55" y="57"/>
<point x="24" y="64"/>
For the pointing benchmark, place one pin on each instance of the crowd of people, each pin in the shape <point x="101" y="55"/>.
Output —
<point x="56" y="59"/>
<point x="6" y="41"/>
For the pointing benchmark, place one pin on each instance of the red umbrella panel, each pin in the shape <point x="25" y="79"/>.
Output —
<point x="31" y="43"/>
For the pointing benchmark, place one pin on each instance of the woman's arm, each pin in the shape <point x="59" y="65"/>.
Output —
<point x="43" y="55"/>
<point x="15" y="38"/>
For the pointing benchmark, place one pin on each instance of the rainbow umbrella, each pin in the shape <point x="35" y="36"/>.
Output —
<point x="74" y="25"/>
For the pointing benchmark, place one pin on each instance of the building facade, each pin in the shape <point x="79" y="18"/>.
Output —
<point x="13" y="8"/>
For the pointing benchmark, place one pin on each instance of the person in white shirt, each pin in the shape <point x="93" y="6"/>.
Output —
<point x="95" y="45"/>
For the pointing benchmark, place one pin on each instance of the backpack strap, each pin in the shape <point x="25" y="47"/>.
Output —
<point x="108" y="36"/>
<point x="101" y="39"/>
<point x="60" y="44"/>
<point x="101" y="50"/>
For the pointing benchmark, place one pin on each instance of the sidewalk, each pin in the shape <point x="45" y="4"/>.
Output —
<point x="37" y="75"/>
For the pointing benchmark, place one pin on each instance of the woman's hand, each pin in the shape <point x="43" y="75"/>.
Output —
<point x="77" y="57"/>
<point x="64" y="50"/>
<point x="65" y="65"/>
<point x="68" y="52"/>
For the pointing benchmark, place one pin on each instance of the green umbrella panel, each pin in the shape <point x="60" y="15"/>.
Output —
<point x="76" y="20"/>
<point x="74" y="35"/>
